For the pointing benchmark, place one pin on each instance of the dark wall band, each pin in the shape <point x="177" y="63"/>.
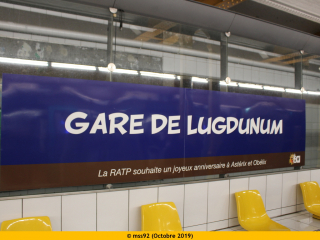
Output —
<point x="33" y="176"/>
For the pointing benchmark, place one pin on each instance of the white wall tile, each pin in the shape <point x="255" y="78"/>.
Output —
<point x="287" y="210"/>
<point x="168" y="64"/>
<point x="22" y="36"/>
<point x="236" y="185"/>
<point x="247" y="75"/>
<point x="88" y="44"/>
<point x="233" y="222"/>
<point x="255" y="75"/>
<point x="198" y="228"/>
<point x="144" y="52"/>
<point x="179" y="65"/>
<point x="218" y="200"/>
<point x="190" y="67"/>
<point x="173" y="194"/>
<point x="270" y="77"/>
<point x="39" y="38"/>
<point x="239" y="72"/>
<point x="212" y="68"/>
<point x="112" y="211"/>
<point x="104" y="46"/>
<point x="231" y="70"/>
<point x="263" y="78"/>
<point x="79" y="212"/>
<point x="217" y="225"/>
<point x="137" y="198"/>
<point x="273" y="194"/>
<point x="56" y="40"/>
<point x="259" y="183"/>
<point x="168" y="55"/>
<point x="218" y="70"/>
<point x="75" y="42"/>
<point x="195" y="206"/>
<point x="303" y="176"/>
<point x="201" y="68"/>
<point x="130" y="50"/>
<point x="315" y="175"/>
<point x="10" y="209"/>
<point x="300" y="207"/>
<point x="44" y="206"/>
<point x="289" y="189"/>
<point x="6" y="34"/>
<point x="274" y="213"/>
<point x="155" y="53"/>
<point x="190" y="58"/>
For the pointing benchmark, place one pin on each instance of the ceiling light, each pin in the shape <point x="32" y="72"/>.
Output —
<point x="113" y="10"/>
<point x="233" y="84"/>
<point x="134" y="72"/>
<point x="73" y="66"/>
<point x="118" y="70"/>
<point x="23" y="61"/>
<point x="313" y="93"/>
<point x="248" y="85"/>
<point x="196" y="79"/>
<point x="161" y="75"/>
<point x="111" y="67"/>
<point x="278" y="89"/>
<point x="293" y="90"/>
<point x="263" y="54"/>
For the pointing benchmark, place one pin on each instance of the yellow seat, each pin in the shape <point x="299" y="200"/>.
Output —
<point x="311" y="197"/>
<point x="27" y="224"/>
<point x="160" y="217"/>
<point x="252" y="215"/>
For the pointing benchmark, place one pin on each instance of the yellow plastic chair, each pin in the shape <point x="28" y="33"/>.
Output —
<point x="27" y="224"/>
<point x="252" y="215"/>
<point x="311" y="197"/>
<point x="160" y="217"/>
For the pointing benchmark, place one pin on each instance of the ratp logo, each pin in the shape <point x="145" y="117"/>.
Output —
<point x="294" y="159"/>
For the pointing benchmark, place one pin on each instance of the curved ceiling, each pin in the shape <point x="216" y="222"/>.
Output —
<point x="194" y="14"/>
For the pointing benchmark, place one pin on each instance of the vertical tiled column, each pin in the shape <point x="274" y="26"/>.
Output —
<point x="112" y="211"/>
<point x="236" y="185"/>
<point x="303" y="176"/>
<point x="289" y="192"/>
<point x="273" y="195"/>
<point x="137" y="198"/>
<point x="195" y="204"/>
<point x="218" y="204"/>
<point x="44" y="206"/>
<point x="10" y="209"/>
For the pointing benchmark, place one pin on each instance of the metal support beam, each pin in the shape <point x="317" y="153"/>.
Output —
<point x="298" y="77"/>
<point x="110" y="40"/>
<point x="111" y="30"/>
<point x="223" y="57"/>
<point x="186" y="82"/>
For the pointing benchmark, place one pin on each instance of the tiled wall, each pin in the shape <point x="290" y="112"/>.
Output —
<point x="312" y="135"/>
<point x="202" y="206"/>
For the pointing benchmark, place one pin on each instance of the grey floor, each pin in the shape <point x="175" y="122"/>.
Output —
<point x="301" y="221"/>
